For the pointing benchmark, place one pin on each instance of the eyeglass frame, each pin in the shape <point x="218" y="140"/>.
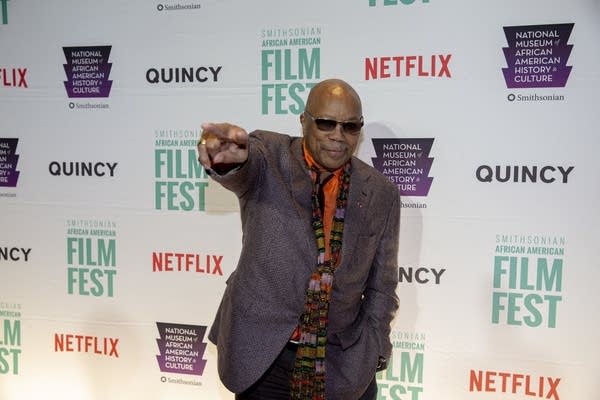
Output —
<point x="316" y="120"/>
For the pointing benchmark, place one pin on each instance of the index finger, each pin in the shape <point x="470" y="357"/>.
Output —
<point x="224" y="132"/>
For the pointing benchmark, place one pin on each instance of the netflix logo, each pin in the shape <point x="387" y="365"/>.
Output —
<point x="543" y="387"/>
<point x="187" y="262"/>
<point x="433" y="66"/>
<point x="103" y="346"/>
<point x="13" y="77"/>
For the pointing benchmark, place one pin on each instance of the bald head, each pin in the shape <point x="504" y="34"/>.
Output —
<point x="331" y="88"/>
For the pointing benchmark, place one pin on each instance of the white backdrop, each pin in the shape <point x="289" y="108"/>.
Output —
<point x="115" y="247"/>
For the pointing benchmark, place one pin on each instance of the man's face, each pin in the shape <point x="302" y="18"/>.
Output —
<point x="331" y="149"/>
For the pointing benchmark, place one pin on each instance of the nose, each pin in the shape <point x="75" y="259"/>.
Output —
<point x="337" y="133"/>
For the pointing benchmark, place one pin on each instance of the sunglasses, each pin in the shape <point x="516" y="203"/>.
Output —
<point x="328" y="125"/>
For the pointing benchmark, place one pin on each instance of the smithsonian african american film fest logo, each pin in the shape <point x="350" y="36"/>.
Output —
<point x="181" y="350"/>
<point x="91" y="257"/>
<point x="536" y="58"/>
<point x="10" y="338"/>
<point x="87" y="69"/>
<point x="527" y="276"/>
<point x="290" y="60"/>
<point x="403" y="377"/>
<point x="180" y="180"/>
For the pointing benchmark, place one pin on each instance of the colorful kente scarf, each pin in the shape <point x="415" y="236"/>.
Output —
<point x="308" y="376"/>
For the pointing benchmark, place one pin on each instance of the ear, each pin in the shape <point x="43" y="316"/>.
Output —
<point x="302" y="122"/>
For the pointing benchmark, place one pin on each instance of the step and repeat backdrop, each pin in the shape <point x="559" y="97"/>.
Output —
<point x="115" y="245"/>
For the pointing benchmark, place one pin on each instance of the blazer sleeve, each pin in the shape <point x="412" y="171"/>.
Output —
<point x="246" y="176"/>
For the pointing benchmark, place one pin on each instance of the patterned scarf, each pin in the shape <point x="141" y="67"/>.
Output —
<point x="308" y="376"/>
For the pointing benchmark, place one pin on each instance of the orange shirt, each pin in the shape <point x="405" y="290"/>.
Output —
<point x="330" y="191"/>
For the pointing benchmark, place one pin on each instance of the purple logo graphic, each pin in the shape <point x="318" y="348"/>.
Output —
<point x="87" y="70"/>
<point x="181" y="348"/>
<point x="8" y="162"/>
<point x="537" y="55"/>
<point x="405" y="162"/>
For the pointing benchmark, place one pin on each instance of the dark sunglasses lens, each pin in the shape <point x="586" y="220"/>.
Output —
<point x="325" y="124"/>
<point x="351" y="127"/>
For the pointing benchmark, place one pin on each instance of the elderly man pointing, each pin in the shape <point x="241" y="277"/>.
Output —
<point x="306" y="314"/>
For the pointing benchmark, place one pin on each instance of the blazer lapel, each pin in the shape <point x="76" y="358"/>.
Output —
<point x="301" y="185"/>
<point x="356" y="212"/>
<point x="301" y="189"/>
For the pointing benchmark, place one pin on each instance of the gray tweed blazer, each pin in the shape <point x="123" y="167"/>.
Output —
<point x="265" y="294"/>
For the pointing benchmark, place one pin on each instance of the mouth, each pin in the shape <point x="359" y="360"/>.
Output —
<point x="335" y="153"/>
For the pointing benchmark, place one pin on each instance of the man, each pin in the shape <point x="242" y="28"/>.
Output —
<point x="307" y="312"/>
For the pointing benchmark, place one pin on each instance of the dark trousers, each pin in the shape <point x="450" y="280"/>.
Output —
<point x="275" y="383"/>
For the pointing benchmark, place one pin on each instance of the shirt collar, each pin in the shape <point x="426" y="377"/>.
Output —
<point x="313" y="164"/>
